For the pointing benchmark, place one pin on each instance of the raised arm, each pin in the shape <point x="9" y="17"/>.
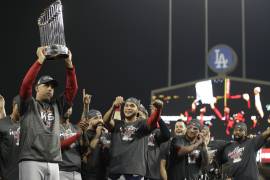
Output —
<point x="31" y="75"/>
<point x="107" y="118"/>
<point x="261" y="140"/>
<point x="215" y="109"/>
<point x="71" y="80"/>
<point x="258" y="104"/>
<point x="2" y="107"/>
<point x="266" y="134"/>
<point x="86" y="103"/>
<point x="157" y="106"/>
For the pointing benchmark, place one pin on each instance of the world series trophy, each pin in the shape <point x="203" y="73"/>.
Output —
<point x="51" y="28"/>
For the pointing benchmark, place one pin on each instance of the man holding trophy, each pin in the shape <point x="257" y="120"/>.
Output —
<point x="40" y="149"/>
<point x="40" y="145"/>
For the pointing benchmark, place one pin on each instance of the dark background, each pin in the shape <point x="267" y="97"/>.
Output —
<point x="120" y="47"/>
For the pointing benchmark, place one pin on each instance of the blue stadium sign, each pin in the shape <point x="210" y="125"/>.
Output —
<point x="222" y="59"/>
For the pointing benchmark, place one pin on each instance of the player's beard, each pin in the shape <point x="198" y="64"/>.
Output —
<point x="129" y="116"/>
<point x="238" y="138"/>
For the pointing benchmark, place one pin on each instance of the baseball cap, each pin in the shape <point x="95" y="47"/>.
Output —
<point x="47" y="80"/>
<point x="135" y="101"/>
<point x="93" y="113"/>
<point x="196" y="123"/>
<point x="241" y="125"/>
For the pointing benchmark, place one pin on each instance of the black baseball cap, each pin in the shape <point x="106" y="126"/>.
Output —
<point x="241" y="125"/>
<point x="47" y="80"/>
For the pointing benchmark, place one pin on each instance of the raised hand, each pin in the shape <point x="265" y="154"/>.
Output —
<point x="40" y="54"/>
<point x="257" y="90"/>
<point x="118" y="101"/>
<point x="213" y="102"/>
<point x="86" y="98"/>
<point x="245" y="96"/>
<point x="68" y="60"/>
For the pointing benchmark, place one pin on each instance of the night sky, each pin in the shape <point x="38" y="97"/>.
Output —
<point x="120" y="47"/>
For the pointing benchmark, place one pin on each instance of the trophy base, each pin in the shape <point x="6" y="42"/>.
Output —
<point x="56" y="51"/>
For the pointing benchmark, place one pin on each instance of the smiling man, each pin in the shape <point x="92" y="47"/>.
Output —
<point x="240" y="156"/>
<point x="180" y="128"/>
<point x="128" y="139"/>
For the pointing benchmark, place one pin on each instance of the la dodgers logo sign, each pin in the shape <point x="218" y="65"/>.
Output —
<point x="222" y="59"/>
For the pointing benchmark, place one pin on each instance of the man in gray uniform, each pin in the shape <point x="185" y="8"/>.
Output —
<point x="40" y="149"/>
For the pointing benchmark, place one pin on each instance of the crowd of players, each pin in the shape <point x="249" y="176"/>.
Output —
<point x="38" y="141"/>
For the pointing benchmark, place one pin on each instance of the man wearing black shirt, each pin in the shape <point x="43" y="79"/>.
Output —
<point x="188" y="154"/>
<point x="179" y="130"/>
<point x="96" y="142"/>
<point x="240" y="155"/>
<point x="9" y="143"/>
<point x="128" y="139"/>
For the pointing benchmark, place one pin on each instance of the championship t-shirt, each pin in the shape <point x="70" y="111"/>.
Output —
<point x="187" y="166"/>
<point x="240" y="159"/>
<point x="128" y="147"/>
